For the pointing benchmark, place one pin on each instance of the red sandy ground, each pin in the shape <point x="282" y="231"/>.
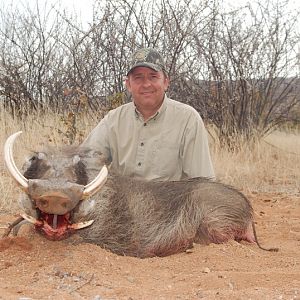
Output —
<point x="35" y="268"/>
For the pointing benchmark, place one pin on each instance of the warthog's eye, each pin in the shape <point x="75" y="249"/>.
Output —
<point x="76" y="159"/>
<point x="41" y="155"/>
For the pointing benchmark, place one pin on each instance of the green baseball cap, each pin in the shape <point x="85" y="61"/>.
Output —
<point x="147" y="57"/>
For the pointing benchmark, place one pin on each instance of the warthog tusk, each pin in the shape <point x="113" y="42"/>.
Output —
<point x="54" y="221"/>
<point x="81" y="225"/>
<point x="31" y="219"/>
<point x="10" y="163"/>
<point x="95" y="185"/>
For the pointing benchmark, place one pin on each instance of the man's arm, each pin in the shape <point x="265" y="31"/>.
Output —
<point x="98" y="139"/>
<point x="195" y="151"/>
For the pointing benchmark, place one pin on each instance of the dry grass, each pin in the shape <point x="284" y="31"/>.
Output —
<point x="272" y="165"/>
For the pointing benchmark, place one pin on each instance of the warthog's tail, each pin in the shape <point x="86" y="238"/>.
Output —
<point x="258" y="244"/>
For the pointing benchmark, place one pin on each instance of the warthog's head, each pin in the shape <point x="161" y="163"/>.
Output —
<point x="56" y="185"/>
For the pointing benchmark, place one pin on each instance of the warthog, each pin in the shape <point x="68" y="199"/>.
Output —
<point x="125" y="215"/>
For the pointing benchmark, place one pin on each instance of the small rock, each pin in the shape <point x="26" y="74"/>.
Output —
<point x="200" y="294"/>
<point x="206" y="270"/>
<point x="130" y="279"/>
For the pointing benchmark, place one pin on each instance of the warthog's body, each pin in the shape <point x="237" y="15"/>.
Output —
<point x="131" y="217"/>
<point x="160" y="218"/>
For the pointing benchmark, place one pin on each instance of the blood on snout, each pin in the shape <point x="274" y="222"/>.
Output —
<point x="60" y="231"/>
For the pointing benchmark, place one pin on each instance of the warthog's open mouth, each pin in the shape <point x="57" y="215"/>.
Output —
<point x="55" y="227"/>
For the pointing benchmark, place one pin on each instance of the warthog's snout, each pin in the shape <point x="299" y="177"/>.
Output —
<point x="55" y="196"/>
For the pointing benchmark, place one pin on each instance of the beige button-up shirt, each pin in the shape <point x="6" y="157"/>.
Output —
<point x="171" y="145"/>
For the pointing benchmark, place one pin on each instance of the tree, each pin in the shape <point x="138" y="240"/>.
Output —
<point x="237" y="67"/>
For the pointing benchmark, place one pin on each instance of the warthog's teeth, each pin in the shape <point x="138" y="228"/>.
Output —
<point x="81" y="224"/>
<point x="74" y="226"/>
<point x="30" y="219"/>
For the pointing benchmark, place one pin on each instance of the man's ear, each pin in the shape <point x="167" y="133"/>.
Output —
<point x="127" y="84"/>
<point x="167" y="83"/>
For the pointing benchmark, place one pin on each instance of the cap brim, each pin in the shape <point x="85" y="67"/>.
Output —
<point x="147" y="65"/>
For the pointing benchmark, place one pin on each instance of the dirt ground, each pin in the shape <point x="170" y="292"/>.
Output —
<point x="34" y="268"/>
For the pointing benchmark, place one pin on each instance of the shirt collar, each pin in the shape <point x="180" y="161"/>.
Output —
<point x="157" y="115"/>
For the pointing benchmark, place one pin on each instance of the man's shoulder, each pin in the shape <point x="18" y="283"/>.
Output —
<point x="122" y="109"/>
<point x="183" y="107"/>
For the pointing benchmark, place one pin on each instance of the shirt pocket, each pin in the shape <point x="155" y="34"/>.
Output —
<point x="166" y="158"/>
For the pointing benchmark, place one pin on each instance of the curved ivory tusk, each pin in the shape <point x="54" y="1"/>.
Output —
<point x="95" y="185"/>
<point x="10" y="163"/>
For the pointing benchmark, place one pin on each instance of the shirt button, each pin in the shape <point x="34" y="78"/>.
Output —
<point x="142" y="144"/>
<point x="139" y="164"/>
<point x="145" y="124"/>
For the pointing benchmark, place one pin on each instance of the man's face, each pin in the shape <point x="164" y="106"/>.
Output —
<point x="147" y="87"/>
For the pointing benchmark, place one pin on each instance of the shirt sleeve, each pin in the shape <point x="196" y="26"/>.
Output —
<point x="196" y="157"/>
<point x="98" y="139"/>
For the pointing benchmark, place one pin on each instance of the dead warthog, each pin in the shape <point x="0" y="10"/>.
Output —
<point x="125" y="215"/>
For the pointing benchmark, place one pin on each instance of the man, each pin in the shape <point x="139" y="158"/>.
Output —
<point x="153" y="137"/>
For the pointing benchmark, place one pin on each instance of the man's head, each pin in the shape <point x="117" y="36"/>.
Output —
<point x="147" y="57"/>
<point x="147" y="81"/>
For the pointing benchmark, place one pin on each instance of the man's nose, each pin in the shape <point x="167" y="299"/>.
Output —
<point x="147" y="81"/>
